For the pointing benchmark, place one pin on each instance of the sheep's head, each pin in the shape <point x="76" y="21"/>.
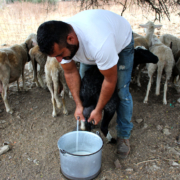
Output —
<point x="31" y="40"/>
<point x="150" y="26"/>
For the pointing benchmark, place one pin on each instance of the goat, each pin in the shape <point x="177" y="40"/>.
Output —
<point x="91" y="86"/>
<point x="12" y="62"/>
<point x="56" y="82"/>
<point x="166" y="62"/>
<point x="37" y="57"/>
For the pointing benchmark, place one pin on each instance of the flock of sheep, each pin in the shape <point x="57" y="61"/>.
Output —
<point x="167" y="49"/>
<point x="14" y="58"/>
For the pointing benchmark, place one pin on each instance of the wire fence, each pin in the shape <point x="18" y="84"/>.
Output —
<point x="15" y="33"/>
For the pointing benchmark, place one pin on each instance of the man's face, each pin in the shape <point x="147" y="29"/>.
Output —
<point x="66" y="53"/>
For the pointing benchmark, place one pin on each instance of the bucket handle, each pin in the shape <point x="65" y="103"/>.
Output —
<point x="63" y="152"/>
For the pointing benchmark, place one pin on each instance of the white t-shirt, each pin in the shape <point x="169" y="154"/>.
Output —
<point x="102" y="35"/>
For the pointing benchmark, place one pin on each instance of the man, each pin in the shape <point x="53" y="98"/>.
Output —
<point x="95" y="37"/>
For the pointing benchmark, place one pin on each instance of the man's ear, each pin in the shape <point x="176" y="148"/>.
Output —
<point x="70" y="39"/>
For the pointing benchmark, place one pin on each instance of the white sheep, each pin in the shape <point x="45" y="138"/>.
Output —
<point x="142" y="41"/>
<point x="166" y="62"/>
<point x="167" y="39"/>
<point x="135" y="35"/>
<point x="38" y="58"/>
<point x="56" y="82"/>
<point x="12" y="62"/>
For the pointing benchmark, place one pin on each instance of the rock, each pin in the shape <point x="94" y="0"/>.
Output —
<point x="4" y="149"/>
<point x="173" y="151"/>
<point x="117" y="164"/>
<point x="178" y="100"/>
<point x="29" y="159"/>
<point x="173" y="163"/>
<point x="18" y="117"/>
<point x="155" y="167"/>
<point x="2" y="121"/>
<point x="139" y="120"/>
<point x="159" y="127"/>
<point x="35" y="161"/>
<point x="166" y="132"/>
<point x="104" y="178"/>
<point x="129" y="169"/>
<point x="145" y="126"/>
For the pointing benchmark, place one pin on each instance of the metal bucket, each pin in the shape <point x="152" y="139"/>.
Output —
<point x="84" y="164"/>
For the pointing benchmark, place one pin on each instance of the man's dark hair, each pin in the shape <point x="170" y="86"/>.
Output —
<point x="51" y="32"/>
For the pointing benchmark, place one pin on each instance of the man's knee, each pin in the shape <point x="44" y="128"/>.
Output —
<point x="124" y="93"/>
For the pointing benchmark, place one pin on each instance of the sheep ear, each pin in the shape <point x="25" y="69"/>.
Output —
<point x="158" y="26"/>
<point x="143" y="25"/>
<point x="34" y="43"/>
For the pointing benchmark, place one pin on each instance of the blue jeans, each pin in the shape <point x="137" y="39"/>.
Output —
<point x="125" y="107"/>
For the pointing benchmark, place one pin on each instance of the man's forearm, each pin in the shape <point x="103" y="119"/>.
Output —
<point x="73" y="81"/>
<point x="107" y="91"/>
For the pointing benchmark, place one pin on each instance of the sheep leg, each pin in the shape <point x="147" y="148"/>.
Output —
<point x="65" y="112"/>
<point x="141" y="66"/>
<point x="18" y="85"/>
<point x="41" y="82"/>
<point x="158" y="81"/>
<point x="34" y="63"/>
<point x="148" y="89"/>
<point x="168" y="75"/>
<point x="138" y="78"/>
<point x="107" y="117"/>
<point x="151" y="70"/>
<point x="165" y="93"/>
<point x="56" y="85"/>
<point x="23" y="79"/>
<point x="41" y="71"/>
<point x="49" y="85"/>
<point x="4" y="96"/>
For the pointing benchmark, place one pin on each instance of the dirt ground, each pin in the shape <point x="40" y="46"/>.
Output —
<point x="33" y="134"/>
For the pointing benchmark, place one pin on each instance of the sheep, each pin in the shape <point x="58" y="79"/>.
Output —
<point x="144" y="41"/>
<point x="91" y="86"/>
<point x="89" y="93"/>
<point x="37" y="57"/>
<point x="167" y="39"/>
<point x="56" y="82"/>
<point x="166" y="62"/>
<point x="135" y="35"/>
<point x="12" y="62"/>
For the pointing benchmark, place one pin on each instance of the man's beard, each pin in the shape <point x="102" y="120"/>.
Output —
<point x="73" y="49"/>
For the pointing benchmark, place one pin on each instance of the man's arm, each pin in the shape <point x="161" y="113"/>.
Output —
<point x="73" y="81"/>
<point x="107" y="89"/>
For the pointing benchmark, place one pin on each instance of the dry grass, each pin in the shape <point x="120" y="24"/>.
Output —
<point x="20" y="19"/>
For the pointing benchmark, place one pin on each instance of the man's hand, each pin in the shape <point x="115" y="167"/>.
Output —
<point x="79" y="113"/>
<point x="95" y="116"/>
